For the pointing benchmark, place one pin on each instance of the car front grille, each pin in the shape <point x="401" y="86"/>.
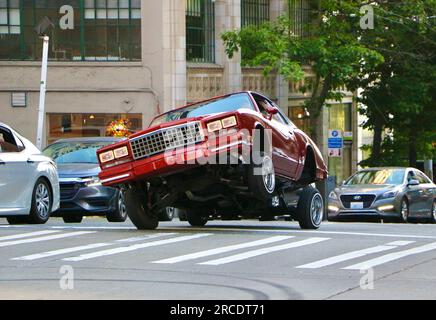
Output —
<point x="166" y="139"/>
<point x="367" y="199"/>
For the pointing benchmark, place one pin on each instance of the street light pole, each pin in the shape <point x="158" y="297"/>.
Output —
<point x="41" y="109"/>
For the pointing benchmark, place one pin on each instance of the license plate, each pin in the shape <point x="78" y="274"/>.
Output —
<point x="356" y="205"/>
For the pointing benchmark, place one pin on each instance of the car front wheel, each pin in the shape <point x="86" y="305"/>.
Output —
<point x="310" y="208"/>
<point x="433" y="212"/>
<point x="120" y="213"/>
<point x="137" y="210"/>
<point x="404" y="211"/>
<point x="42" y="200"/>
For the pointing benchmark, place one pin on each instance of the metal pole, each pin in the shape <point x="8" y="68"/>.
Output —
<point x="41" y="110"/>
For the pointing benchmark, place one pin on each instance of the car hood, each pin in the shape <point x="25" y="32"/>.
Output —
<point x="78" y="170"/>
<point x="365" y="188"/>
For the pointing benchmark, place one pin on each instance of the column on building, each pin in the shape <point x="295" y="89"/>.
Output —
<point x="228" y="17"/>
<point x="164" y="51"/>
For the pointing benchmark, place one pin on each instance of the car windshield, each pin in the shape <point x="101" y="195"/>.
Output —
<point x="385" y="176"/>
<point x="75" y="152"/>
<point x="230" y="103"/>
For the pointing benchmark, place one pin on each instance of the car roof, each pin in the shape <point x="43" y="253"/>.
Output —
<point x="89" y="139"/>
<point x="386" y="168"/>
<point x="211" y="99"/>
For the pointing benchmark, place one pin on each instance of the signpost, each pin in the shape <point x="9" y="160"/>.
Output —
<point x="41" y="29"/>
<point x="335" y="143"/>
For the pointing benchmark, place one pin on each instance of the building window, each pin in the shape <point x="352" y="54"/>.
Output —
<point x="254" y="12"/>
<point x="101" y="30"/>
<point x="200" y="30"/>
<point x="73" y="125"/>
<point x="302" y="13"/>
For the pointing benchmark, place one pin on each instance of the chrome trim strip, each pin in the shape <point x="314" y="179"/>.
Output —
<point x="116" y="178"/>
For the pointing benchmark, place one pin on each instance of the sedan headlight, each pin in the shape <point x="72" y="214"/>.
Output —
<point x="107" y="156"/>
<point x="92" y="182"/>
<point x="389" y="194"/>
<point x="333" y="195"/>
<point x="220" y="124"/>
<point x="214" y="126"/>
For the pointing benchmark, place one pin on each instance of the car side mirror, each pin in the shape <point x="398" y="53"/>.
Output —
<point x="272" y="111"/>
<point x="413" y="183"/>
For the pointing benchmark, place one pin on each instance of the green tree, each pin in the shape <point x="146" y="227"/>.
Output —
<point x="333" y="51"/>
<point x="399" y="94"/>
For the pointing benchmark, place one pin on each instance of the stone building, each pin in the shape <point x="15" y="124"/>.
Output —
<point x="111" y="59"/>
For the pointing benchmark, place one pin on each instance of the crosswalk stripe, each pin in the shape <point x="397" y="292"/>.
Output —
<point x="46" y="238"/>
<point x="353" y="255"/>
<point x="61" y="251"/>
<point x="27" y="235"/>
<point x="255" y="253"/>
<point x="86" y="247"/>
<point x="134" y="247"/>
<point x="215" y="251"/>
<point x="391" y="257"/>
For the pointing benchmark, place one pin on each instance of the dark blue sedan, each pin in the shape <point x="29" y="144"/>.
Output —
<point x="81" y="191"/>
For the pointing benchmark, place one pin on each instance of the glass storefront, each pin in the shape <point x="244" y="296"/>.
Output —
<point x="74" y="125"/>
<point x="84" y="30"/>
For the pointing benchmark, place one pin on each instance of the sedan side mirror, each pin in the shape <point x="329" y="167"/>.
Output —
<point x="413" y="183"/>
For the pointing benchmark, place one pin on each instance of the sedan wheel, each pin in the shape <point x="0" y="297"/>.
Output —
<point x="433" y="212"/>
<point x="404" y="211"/>
<point x="41" y="203"/>
<point x="120" y="214"/>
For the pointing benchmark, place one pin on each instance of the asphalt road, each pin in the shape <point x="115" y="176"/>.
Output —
<point x="246" y="260"/>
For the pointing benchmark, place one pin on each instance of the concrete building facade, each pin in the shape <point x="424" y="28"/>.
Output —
<point x="134" y="59"/>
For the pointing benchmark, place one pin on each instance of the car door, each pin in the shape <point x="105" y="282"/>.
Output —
<point x="414" y="195"/>
<point x="426" y="193"/>
<point x="283" y="139"/>
<point x="16" y="173"/>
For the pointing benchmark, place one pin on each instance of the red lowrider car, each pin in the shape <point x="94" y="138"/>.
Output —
<point x="232" y="157"/>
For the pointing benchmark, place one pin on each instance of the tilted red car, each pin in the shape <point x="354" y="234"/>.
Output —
<point x="232" y="157"/>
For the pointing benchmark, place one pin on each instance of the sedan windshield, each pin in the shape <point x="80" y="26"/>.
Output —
<point x="386" y="176"/>
<point x="75" y="152"/>
<point x="230" y="103"/>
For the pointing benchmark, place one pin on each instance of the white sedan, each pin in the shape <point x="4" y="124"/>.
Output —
<point x="29" y="183"/>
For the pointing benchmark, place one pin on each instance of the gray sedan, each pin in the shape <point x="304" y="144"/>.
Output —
<point x="401" y="194"/>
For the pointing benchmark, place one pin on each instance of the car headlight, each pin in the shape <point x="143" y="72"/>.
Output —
<point x="333" y="195"/>
<point x="106" y="156"/>
<point x="121" y="152"/>
<point x="389" y="194"/>
<point x="92" y="182"/>
<point x="220" y="124"/>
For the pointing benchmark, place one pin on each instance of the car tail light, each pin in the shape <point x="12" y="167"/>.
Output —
<point x="121" y="152"/>
<point x="106" y="156"/>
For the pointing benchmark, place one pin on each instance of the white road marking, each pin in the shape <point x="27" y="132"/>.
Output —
<point x="46" y="238"/>
<point x="86" y="247"/>
<point x="134" y="247"/>
<point x="391" y="257"/>
<point x="27" y="235"/>
<point x="353" y="255"/>
<point x="61" y="251"/>
<point x="215" y="251"/>
<point x="147" y="237"/>
<point x="255" y="253"/>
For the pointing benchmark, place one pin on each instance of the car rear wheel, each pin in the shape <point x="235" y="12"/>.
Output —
<point x="194" y="218"/>
<point x="310" y="208"/>
<point x="137" y="210"/>
<point x="167" y="214"/>
<point x="42" y="200"/>
<point x="120" y="214"/>
<point x="433" y="212"/>
<point x="74" y="218"/>
<point x="404" y="211"/>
